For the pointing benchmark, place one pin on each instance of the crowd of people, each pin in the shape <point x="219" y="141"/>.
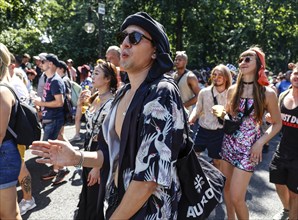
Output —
<point x="133" y="103"/>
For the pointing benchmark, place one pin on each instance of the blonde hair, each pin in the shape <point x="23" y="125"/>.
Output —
<point x="182" y="54"/>
<point x="4" y="61"/>
<point x="226" y="72"/>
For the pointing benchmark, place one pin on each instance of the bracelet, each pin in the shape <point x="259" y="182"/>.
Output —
<point x="80" y="163"/>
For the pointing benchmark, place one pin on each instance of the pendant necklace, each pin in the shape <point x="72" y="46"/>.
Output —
<point x="124" y="113"/>
<point x="100" y="96"/>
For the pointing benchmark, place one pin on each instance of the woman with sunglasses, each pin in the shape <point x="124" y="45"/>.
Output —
<point x="241" y="152"/>
<point x="105" y="81"/>
<point x="10" y="159"/>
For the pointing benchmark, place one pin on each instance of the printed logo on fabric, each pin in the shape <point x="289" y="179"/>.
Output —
<point x="199" y="182"/>
<point x="197" y="210"/>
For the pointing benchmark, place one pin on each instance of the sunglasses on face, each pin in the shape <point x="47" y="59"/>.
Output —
<point x="246" y="59"/>
<point x="133" y="37"/>
<point x="44" y="61"/>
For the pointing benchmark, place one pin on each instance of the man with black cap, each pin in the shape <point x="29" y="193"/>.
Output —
<point x="52" y="110"/>
<point x="144" y="130"/>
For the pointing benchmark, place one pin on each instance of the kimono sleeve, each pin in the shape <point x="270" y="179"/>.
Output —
<point x="161" y="139"/>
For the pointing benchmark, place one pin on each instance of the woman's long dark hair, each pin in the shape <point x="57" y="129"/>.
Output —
<point x="258" y="91"/>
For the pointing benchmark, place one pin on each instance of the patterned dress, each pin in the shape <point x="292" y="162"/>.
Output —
<point x="236" y="147"/>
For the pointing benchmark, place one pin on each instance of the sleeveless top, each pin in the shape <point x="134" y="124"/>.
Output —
<point x="288" y="147"/>
<point x="185" y="90"/>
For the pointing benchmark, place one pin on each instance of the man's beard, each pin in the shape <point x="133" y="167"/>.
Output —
<point x="217" y="85"/>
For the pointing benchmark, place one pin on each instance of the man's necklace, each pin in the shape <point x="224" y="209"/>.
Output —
<point x="124" y="113"/>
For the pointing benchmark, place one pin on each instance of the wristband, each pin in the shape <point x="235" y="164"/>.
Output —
<point x="80" y="163"/>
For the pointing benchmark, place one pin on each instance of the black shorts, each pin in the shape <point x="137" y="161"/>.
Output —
<point x="210" y="139"/>
<point x="284" y="172"/>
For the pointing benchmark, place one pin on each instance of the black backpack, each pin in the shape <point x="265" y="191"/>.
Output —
<point x="68" y="113"/>
<point x="27" y="127"/>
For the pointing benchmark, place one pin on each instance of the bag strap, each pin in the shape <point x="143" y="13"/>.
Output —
<point x="247" y="111"/>
<point x="17" y="98"/>
<point x="214" y="98"/>
<point x="220" y="121"/>
<point x="181" y="76"/>
<point x="93" y="124"/>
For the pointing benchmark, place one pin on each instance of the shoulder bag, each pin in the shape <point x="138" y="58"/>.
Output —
<point x="201" y="184"/>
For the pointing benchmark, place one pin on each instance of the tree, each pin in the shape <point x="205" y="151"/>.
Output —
<point x="210" y="31"/>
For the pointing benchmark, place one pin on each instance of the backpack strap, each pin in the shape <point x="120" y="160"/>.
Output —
<point x="17" y="102"/>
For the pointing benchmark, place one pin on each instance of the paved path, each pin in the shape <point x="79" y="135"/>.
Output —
<point x="59" y="203"/>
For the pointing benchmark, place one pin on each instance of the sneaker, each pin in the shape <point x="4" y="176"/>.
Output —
<point x="77" y="137"/>
<point x="284" y="215"/>
<point x="26" y="205"/>
<point x="50" y="175"/>
<point x="60" y="176"/>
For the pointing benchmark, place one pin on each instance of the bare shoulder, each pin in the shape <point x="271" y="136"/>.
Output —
<point x="191" y="76"/>
<point x="270" y="93"/>
<point x="271" y="99"/>
<point x="5" y="93"/>
<point x="231" y="89"/>
<point x="6" y="97"/>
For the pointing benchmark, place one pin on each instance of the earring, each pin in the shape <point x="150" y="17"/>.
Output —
<point x="153" y="56"/>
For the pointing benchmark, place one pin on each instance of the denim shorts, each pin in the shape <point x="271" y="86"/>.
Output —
<point x="10" y="164"/>
<point x="52" y="129"/>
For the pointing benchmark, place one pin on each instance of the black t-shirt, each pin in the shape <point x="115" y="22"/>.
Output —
<point x="53" y="86"/>
<point x="289" y="142"/>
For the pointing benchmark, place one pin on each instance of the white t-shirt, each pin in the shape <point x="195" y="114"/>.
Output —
<point x="20" y="89"/>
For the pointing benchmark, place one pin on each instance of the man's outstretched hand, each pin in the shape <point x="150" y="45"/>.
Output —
<point x="55" y="152"/>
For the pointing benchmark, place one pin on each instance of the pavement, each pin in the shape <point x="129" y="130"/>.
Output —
<point x="60" y="202"/>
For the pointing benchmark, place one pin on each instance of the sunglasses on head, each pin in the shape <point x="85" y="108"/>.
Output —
<point x="246" y="59"/>
<point x="133" y="37"/>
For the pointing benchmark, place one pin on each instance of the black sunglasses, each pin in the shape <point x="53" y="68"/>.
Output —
<point x="134" y="37"/>
<point x="43" y="61"/>
<point x="246" y="59"/>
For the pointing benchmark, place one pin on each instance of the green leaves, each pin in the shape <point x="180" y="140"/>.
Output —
<point x="210" y="31"/>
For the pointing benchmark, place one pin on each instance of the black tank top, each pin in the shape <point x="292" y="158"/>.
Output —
<point x="289" y="141"/>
